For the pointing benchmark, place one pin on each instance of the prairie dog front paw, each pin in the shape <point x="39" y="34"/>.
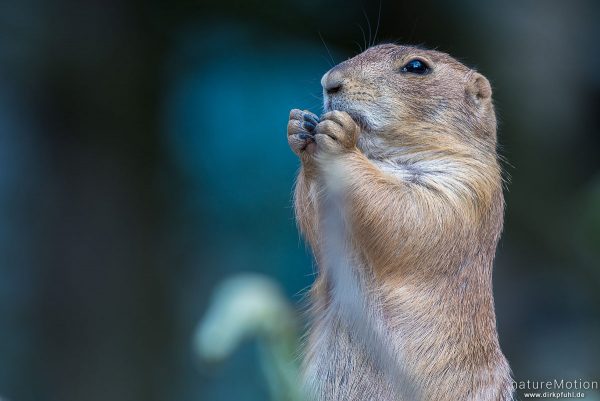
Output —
<point x="336" y="133"/>
<point x="301" y="132"/>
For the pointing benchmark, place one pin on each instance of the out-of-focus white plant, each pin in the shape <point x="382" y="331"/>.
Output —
<point x="251" y="305"/>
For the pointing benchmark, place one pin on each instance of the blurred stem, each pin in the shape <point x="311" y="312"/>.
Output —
<point x="246" y="306"/>
<point x="278" y="353"/>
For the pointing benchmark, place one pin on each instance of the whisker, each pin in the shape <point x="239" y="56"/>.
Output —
<point x="327" y="48"/>
<point x="327" y="60"/>
<point x="364" y="37"/>
<point x="318" y="97"/>
<point x="378" y="21"/>
<point x="368" y="25"/>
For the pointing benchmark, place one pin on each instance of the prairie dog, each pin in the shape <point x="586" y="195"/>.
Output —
<point x="411" y="136"/>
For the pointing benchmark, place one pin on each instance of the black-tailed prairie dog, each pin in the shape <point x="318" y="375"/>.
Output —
<point x="409" y="139"/>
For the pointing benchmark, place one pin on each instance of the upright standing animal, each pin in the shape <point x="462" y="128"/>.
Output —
<point x="409" y="141"/>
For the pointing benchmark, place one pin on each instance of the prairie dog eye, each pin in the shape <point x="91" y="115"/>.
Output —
<point x="415" y="66"/>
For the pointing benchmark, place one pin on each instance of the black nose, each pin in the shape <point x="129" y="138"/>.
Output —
<point x="332" y="81"/>
<point x="334" y="89"/>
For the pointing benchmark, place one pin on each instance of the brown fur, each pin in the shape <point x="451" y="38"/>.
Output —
<point x="416" y="158"/>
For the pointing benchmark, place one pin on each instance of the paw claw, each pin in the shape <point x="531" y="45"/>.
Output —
<point x="306" y="137"/>
<point x="310" y="118"/>
<point x="309" y="125"/>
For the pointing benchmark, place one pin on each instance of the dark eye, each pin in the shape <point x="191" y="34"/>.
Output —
<point x="416" y="67"/>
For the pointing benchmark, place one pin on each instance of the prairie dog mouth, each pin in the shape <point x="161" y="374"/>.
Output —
<point x="356" y="113"/>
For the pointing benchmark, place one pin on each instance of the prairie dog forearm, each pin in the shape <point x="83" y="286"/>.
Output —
<point x="306" y="194"/>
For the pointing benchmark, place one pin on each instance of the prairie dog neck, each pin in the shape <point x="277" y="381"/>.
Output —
<point x="409" y="149"/>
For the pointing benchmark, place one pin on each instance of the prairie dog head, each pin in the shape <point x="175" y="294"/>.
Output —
<point x="410" y="97"/>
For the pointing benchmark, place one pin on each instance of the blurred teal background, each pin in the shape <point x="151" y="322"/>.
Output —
<point x="143" y="159"/>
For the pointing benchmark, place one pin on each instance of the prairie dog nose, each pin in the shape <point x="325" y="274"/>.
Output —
<point x="332" y="81"/>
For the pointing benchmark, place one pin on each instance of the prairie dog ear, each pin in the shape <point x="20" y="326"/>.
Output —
<point x="479" y="87"/>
